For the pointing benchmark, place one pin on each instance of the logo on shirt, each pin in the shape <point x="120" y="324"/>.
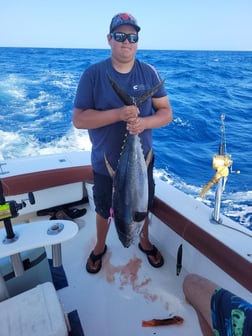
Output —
<point x="139" y="87"/>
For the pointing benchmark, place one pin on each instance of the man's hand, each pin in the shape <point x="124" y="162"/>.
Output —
<point x="137" y="126"/>
<point x="129" y="113"/>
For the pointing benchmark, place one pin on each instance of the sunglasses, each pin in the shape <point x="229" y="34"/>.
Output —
<point x="121" y="37"/>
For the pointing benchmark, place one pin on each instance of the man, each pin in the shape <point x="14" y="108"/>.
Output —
<point x="220" y="312"/>
<point x="99" y="109"/>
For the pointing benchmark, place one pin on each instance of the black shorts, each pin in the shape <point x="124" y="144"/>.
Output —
<point x="102" y="191"/>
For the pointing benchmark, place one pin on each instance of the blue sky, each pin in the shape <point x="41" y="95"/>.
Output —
<point x="181" y="24"/>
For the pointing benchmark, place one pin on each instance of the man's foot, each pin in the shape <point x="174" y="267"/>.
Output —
<point x="94" y="262"/>
<point x="154" y="256"/>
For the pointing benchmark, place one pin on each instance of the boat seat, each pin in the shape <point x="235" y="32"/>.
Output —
<point x="36" y="312"/>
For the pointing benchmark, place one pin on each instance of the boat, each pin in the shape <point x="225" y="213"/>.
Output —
<point x="127" y="291"/>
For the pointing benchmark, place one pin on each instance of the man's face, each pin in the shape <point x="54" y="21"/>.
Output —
<point x="123" y="51"/>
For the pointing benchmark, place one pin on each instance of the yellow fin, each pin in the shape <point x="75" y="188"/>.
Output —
<point x="108" y="165"/>
<point x="149" y="157"/>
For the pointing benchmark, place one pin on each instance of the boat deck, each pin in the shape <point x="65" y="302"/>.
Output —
<point x="126" y="291"/>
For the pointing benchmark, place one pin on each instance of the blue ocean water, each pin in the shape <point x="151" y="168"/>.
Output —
<point x="37" y="88"/>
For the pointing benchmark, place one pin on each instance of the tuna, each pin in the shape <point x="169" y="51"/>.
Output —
<point x="130" y="180"/>
<point x="130" y="190"/>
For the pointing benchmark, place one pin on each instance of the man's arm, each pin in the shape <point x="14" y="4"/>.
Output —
<point x="90" y="118"/>
<point x="161" y="117"/>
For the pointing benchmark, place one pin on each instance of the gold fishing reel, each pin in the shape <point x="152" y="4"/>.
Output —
<point x="221" y="164"/>
<point x="220" y="161"/>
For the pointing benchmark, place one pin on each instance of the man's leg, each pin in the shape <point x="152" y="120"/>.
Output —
<point x="102" y="227"/>
<point x="155" y="258"/>
<point x="198" y="292"/>
<point x="102" y="192"/>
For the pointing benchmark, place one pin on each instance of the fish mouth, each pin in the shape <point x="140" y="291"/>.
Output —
<point x="128" y="238"/>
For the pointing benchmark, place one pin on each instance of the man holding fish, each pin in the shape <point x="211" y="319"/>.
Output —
<point x="120" y="100"/>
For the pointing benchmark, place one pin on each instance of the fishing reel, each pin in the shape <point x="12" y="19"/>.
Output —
<point x="9" y="209"/>
<point x="221" y="164"/>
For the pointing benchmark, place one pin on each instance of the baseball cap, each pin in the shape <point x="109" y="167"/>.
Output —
<point x="123" y="19"/>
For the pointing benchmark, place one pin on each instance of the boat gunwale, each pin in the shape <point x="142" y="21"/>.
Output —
<point x="228" y="259"/>
<point x="220" y="254"/>
<point x="30" y="182"/>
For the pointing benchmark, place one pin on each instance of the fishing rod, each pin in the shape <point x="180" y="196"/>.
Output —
<point x="222" y="163"/>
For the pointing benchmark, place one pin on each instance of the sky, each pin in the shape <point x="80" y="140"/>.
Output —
<point x="165" y="24"/>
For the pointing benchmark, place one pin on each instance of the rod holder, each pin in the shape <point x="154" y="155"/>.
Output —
<point x="55" y="229"/>
<point x="56" y="255"/>
<point x="216" y="212"/>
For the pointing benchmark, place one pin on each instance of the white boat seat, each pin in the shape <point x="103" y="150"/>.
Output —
<point x="36" y="312"/>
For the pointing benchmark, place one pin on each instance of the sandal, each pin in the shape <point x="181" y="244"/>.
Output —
<point x="153" y="253"/>
<point x="61" y="214"/>
<point x="71" y="213"/>
<point x="93" y="257"/>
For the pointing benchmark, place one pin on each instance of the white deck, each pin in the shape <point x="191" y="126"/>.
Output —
<point x="125" y="292"/>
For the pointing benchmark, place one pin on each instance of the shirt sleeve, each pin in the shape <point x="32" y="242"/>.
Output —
<point x="157" y="79"/>
<point x="84" y="94"/>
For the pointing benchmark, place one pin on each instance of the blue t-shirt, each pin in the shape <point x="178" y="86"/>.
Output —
<point x="96" y="92"/>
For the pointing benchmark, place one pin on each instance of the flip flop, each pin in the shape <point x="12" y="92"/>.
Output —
<point x="95" y="258"/>
<point x="153" y="252"/>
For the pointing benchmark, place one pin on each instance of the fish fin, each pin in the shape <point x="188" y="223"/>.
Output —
<point x="127" y="100"/>
<point x="149" y="157"/>
<point x="108" y="165"/>
<point x="139" y="216"/>
<point x="124" y="142"/>
<point x="140" y="100"/>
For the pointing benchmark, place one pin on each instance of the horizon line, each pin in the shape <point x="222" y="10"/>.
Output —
<point x="143" y="49"/>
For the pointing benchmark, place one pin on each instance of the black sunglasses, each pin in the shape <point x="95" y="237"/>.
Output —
<point x="121" y="37"/>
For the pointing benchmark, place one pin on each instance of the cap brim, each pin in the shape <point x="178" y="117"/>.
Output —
<point x="126" y="24"/>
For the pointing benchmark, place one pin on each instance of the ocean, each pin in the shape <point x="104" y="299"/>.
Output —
<point x="37" y="89"/>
